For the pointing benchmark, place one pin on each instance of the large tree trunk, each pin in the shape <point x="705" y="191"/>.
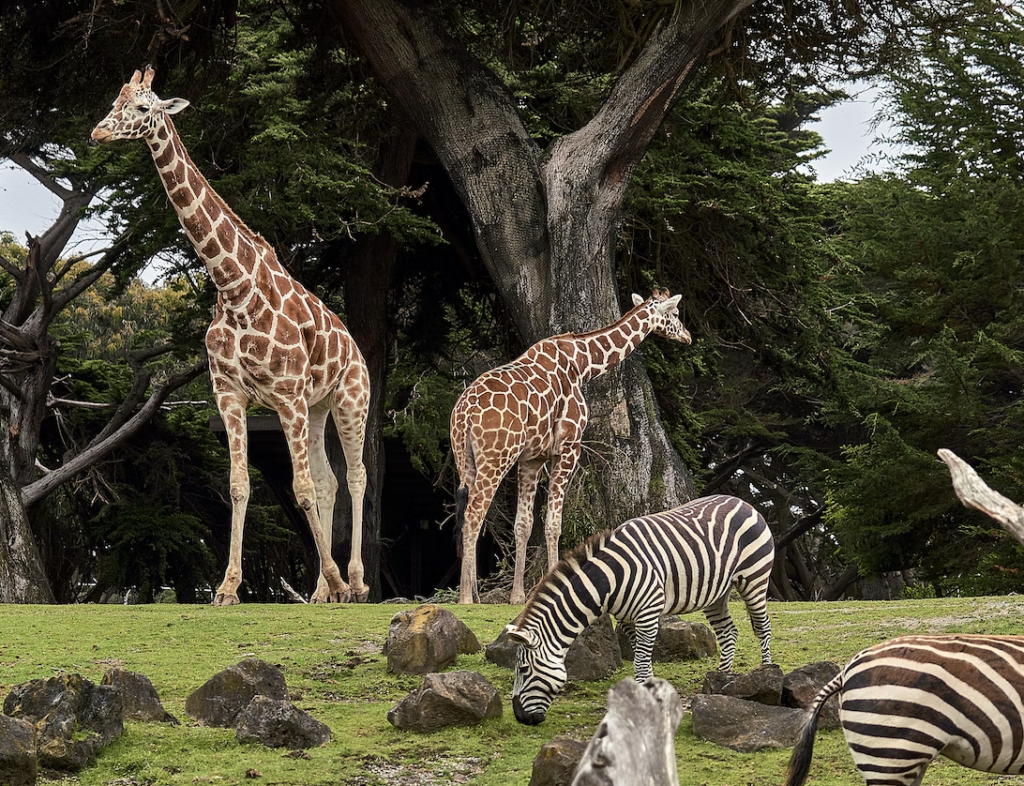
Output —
<point x="367" y="274"/>
<point x="21" y="570"/>
<point x="545" y="227"/>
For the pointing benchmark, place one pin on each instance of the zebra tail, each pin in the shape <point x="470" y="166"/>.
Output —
<point x="800" y="760"/>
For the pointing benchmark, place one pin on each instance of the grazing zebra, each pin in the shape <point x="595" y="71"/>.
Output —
<point x="904" y="702"/>
<point x="677" y="561"/>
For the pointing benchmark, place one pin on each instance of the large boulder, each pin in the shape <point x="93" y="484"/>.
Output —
<point x="456" y="698"/>
<point x="222" y="698"/>
<point x="763" y="684"/>
<point x="801" y="686"/>
<point x="677" y="640"/>
<point x="139" y="699"/>
<point x="18" y="762"/>
<point x="557" y="762"/>
<point x="743" y="725"/>
<point x="427" y="639"/>
<point x="278" y="723"/>
<point x="73" y="718"/>
<point x="595" y="654"/>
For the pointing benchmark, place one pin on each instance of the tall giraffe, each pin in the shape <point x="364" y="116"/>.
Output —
<point x="271" y="341"/>
<point x="532" y="410"/>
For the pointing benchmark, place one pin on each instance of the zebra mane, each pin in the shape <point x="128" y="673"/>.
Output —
<point x="566" y="567"/>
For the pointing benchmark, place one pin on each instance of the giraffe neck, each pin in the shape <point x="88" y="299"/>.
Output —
<point x="602" y="349"/>
<point x="230" y="250"/>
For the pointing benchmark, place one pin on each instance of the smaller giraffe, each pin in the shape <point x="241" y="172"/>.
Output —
<point x="530" y="411"/>
<point x="271" y="342"/>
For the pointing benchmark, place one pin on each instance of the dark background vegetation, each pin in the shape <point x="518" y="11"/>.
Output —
<point x="843" y="331"/>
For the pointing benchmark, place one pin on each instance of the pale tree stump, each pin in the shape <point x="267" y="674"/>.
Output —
<point x="635" y="743"/>
<point x="974" y="493"/>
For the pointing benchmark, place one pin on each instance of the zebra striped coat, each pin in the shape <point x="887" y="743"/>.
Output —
<point x="681" y="560"/>
<point x="908" y="700"/>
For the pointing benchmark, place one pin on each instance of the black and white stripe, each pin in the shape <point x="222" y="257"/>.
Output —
<point x="681" y="560"/>
<point x="908" y="700"/>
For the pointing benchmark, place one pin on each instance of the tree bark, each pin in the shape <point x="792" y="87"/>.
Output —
<point x="22" y="579"/>
<point x="545" y="226"/>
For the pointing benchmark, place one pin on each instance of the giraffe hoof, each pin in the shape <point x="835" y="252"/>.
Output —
<point x="225" y="599"/>
<point x="359" y="597"/>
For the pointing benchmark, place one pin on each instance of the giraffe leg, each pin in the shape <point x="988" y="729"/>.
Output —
<point x="350" y="415"/>
<point x="326" y="488"/>
<point x="529" y="474"/>
<point x="297" y="433"/>
<point x="480" y="495"/>
<point x="232" y="413"/>
<point x="563" y="467"/>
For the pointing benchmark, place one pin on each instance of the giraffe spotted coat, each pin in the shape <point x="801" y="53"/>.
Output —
<point x="532" y="411"/>
<point x="271" y="342"/>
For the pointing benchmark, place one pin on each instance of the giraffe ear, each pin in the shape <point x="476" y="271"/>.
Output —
<point x="525" y="637"/>
<point x="667" y="306"/>
<point x="637" y="300"/>
<point x="173" y="105"/>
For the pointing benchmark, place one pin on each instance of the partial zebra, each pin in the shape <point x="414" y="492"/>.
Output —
<point x="681" y="560"/>
<point x="908" y="700"/>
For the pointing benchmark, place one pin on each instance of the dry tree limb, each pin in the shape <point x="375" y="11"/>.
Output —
<point x="974" y="493"/>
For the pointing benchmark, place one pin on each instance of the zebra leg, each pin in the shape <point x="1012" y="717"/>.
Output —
<point x="629" y="631"/>
<point x="725" y="631"/>
<point x="756" y="601"/>
<point x="645" y="632"/>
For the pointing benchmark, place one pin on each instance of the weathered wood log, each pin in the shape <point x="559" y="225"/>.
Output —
<point x="635" y="743"/>
<point x="974" y="493"/>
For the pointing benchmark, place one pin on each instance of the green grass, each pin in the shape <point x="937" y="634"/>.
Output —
<point x="332" y="662"/>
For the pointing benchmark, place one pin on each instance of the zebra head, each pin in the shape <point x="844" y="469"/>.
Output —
<point x="540" y="675"/>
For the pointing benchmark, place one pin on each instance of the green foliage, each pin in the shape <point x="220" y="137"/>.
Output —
<point x="936" y="275"/>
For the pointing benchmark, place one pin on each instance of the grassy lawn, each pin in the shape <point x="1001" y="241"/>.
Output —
<point x="331" y="658"/>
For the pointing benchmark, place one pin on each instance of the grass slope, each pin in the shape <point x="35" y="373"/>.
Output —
<point x="332" y="661"/>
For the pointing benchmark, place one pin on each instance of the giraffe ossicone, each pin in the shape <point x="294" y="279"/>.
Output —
<point x="270" y="342"/>
<point x="532" y="411"/>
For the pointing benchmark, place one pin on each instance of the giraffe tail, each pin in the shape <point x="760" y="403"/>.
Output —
<point x="461" y="500"/>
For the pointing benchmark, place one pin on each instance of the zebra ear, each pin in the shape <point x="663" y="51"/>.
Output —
<point x="637" y="300"/>
<point x="525" y="637"/>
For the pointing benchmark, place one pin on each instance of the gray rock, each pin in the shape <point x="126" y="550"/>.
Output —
<point x="745" y="726"/>
<point x="19" y="765"/>
<point x="677" y="640"/>
<point x="634" y="744"/>
<point x="280" y="724"/>
<point x="557" y="762"/>
<point x="223" y="697"/>
<point x="763" y="684"/>
<point x="73" y="718"/>
<point x="456" y="698"/>
<point x="503" y="651"/>
<point x="139" y="698"/>
<point x="595" y="654"/>
<point x="427" y="639"/>
<point x="801" y="685"/>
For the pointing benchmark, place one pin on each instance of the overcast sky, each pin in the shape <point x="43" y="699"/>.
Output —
<point x="27" y="206"/>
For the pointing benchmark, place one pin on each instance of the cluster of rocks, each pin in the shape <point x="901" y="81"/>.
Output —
<point x="62" y="723"/>
<point x="745" y="712"/>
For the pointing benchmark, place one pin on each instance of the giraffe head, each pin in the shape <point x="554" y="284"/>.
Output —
<point x="665" y="315"/>
<point x="138" y="112"/>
